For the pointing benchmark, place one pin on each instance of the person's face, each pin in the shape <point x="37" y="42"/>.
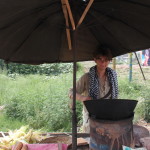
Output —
<point x="102" y="62"/>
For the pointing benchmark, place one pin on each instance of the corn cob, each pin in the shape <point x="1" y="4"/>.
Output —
<point x="4" y="147"/>
<point x="18" y="146"/>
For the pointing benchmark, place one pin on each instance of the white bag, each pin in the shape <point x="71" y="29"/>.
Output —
<point x="129" y="148"/>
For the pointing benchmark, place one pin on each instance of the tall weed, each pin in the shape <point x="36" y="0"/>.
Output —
<point x="42" y="101"/>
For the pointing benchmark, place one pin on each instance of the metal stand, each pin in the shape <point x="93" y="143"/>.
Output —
<point x="140" y="66"/>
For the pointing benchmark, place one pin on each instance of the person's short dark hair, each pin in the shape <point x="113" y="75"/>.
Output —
<point x="103" y="50"/>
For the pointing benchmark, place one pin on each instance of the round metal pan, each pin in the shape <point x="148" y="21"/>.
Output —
<point x="111" y="109"/>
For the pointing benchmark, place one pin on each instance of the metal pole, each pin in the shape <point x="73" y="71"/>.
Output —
<point x="140" y="66"/>
<point x="74" y="117"/>
<point x="130" y="68"/>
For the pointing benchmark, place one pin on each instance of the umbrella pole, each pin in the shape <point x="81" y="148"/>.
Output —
<point x="74" y="117"/>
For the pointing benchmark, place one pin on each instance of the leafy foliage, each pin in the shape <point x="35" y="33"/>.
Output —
<point x="42" y="101"/>
<point x="47" y="69"/>
<point x="6" y="123"/>
<point x="136" y="91"/>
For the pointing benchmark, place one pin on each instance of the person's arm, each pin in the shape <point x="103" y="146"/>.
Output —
<point x="80" y="89"/>
<point x="80" y="97"/>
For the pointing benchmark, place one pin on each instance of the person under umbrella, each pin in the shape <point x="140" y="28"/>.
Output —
<point x="99" y="83"/>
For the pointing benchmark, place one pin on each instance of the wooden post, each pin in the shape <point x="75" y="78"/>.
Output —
<point x="114" y="63"/>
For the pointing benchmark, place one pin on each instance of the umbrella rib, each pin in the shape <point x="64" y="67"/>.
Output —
<point x="85" y="12"/>
<point x="65" y="2"/>
<point x="17" y="49"/>
<point x="26" y="12"/>
<point x="92" y="21"/>
<point x="111" y="34"/>
<point x="67" y="24"/>
<point x="109" y="12"/>
<point x="98" y="20"/>
<point x="126" y="24"/>
<point x="129" y="26"/>
<point x="137" y="2"/>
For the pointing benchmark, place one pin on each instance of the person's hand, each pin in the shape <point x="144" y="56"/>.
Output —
<point x="85" y="98"/>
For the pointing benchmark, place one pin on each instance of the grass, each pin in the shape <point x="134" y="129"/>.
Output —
<point x="42" y="101"/>
<point x="38" y="100"/>
<point x="7" y="124"/>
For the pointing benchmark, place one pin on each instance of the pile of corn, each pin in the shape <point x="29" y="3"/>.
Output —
<point x="16" y="138"/>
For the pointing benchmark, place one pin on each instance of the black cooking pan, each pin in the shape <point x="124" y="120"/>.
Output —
<point x="111" y="109"/>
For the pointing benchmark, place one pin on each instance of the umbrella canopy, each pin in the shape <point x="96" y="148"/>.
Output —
<point x="34" y="31"/>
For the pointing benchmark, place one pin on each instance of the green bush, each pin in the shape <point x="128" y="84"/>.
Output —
<point x="7" y="124"/>
<point x="47" y="69"/>
<point x="136" y="91"/>
<point x="42" y="101"/>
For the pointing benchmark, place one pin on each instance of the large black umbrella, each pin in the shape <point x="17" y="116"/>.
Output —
<point x="34" y="31"/>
